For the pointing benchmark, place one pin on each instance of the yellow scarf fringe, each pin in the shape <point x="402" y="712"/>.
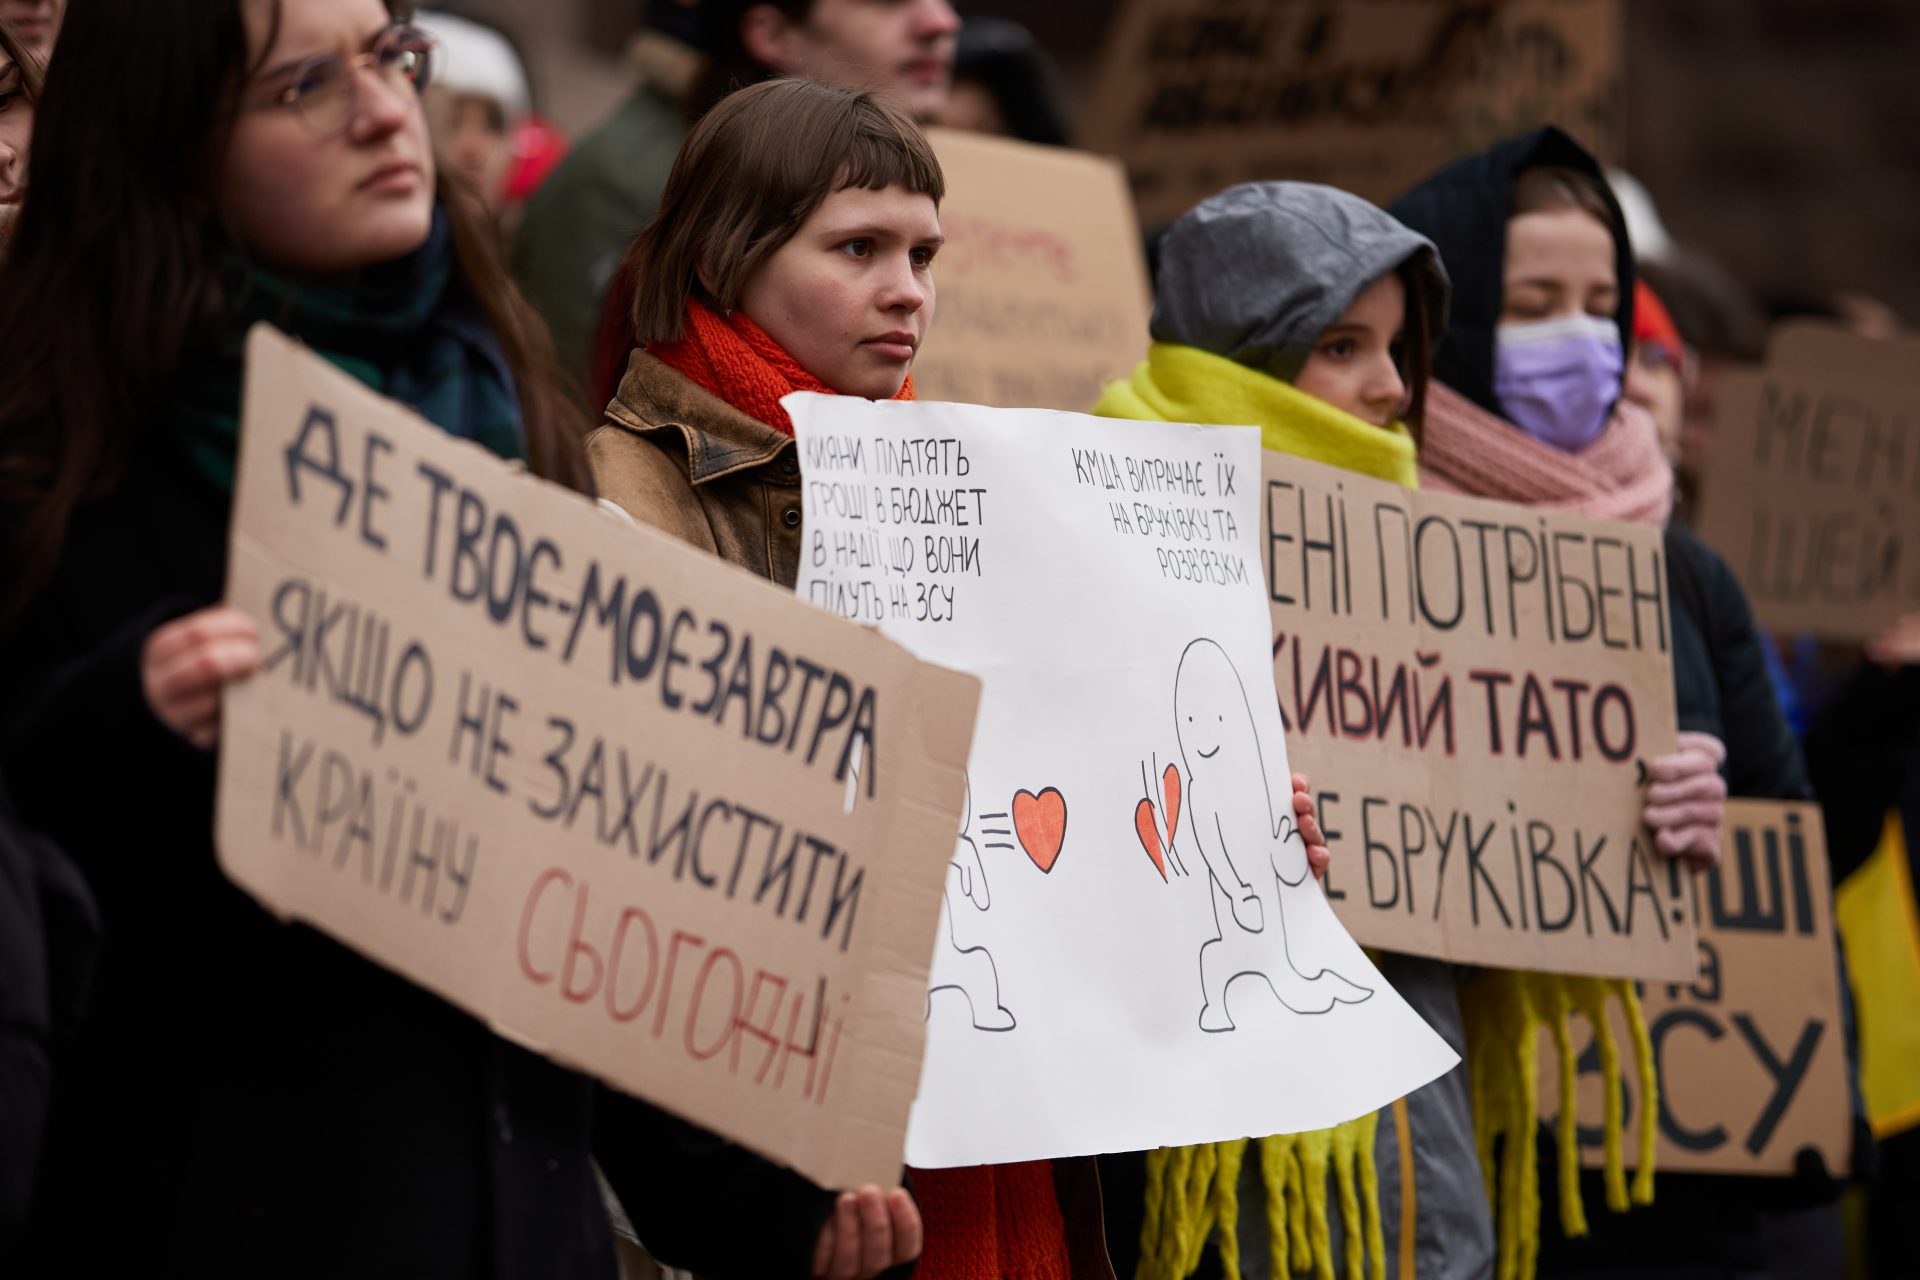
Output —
<point x="1193" y="1196"/>
<point x="1503" y="1011"/>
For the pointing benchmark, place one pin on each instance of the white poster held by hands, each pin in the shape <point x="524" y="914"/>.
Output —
<point x="1133" y="952"/>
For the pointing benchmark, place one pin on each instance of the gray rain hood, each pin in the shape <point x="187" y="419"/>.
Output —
<point x="1258" y="272"/>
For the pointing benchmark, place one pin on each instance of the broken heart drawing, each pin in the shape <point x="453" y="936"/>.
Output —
<point x="1247" y="840"/>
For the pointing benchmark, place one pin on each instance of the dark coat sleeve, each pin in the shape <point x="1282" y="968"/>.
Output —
<point x="1763" y="756"/>
<point x="1722" y="676"/>
<point x="701" y="1203"/>
<point x="1861" y="750"/>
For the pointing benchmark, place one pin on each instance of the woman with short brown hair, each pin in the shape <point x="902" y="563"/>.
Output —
<point x="794" y="251"/>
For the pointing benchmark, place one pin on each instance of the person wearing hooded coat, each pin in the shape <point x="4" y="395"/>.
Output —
<point x="1548" y="428"/>
<point x="1255" y="292"/>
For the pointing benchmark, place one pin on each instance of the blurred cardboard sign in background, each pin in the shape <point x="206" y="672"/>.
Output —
<point x="1751" y="1054"/>
<point x="1813" y="492"/>
<point x="1043" y="291"/>
<point x="1367" y="95"/>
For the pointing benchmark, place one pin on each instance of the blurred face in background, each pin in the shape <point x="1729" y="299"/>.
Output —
<point x="1656" y="382"/>
<point x="472" y="140"/>
<point x="36" y="22"/>
<point x="901" y="46"/>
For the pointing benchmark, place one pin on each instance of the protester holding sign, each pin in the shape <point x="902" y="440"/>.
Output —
<point x="1313" y="314"/>
<point x="247" y="1098"/>
<point x="793" y="251"/>
<point x="1529" y="409"/>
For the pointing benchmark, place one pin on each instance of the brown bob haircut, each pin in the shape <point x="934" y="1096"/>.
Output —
<point x="750" y="173"/>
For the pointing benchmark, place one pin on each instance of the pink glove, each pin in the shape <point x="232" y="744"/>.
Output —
<point x="1318" y="855"/>
<point x="1687" y="799"/>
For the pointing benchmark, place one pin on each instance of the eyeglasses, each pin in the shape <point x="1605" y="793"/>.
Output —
<point x="324" y="91"/>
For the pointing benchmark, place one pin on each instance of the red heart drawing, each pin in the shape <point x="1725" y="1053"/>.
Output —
<point x="1170" y="784"/>
<point x="1041" y="823"/>
<point x="1149" y="837"/>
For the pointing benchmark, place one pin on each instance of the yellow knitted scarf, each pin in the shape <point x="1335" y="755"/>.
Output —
<point x="1186" y="384"/>
<point x="1193" y="1192"/>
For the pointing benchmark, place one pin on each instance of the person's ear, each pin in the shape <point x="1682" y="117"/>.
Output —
<point x="771" y="40"/>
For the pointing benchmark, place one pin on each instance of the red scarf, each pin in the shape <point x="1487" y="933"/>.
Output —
<point x="735" y="359"/>
<point x="992" y="1222"/>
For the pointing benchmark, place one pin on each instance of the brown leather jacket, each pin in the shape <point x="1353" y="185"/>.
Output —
<point x="677" y="457"/>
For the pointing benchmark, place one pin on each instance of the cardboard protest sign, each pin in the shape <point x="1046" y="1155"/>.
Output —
<point x="1475" y="689"/>
<point x="1368" y="95"/>
<point x="1133" y="952"/>
<point x="1814" y="492"/>
<point x="1043" y="293"/>
<point x="1751" y="1055"/>
<point x="635" y="809"/>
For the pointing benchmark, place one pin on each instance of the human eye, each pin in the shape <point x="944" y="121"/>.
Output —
<point x="922" y="256"/>
<point x="860" y="247"/>
<point x="1340" y="349"/>
<point x="314" y="80"/>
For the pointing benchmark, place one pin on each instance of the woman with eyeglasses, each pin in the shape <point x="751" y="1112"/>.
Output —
<point x="248" y="1098"/>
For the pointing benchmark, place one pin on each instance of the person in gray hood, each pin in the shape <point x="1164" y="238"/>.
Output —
<point x="1314" y="314"/>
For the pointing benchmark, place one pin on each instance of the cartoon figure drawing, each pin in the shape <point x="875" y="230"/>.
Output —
<point x="970" y="970"/>
<point x="1245" y="835"/>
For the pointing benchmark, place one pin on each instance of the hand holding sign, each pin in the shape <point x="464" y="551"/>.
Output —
<point x="1688" y="799"/>
<point x="185" y="664"/>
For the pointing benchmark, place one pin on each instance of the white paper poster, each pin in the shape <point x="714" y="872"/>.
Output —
<point x="1133" y="953"/>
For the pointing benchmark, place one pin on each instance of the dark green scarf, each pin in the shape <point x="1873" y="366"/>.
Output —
<point x="396" y="327"/>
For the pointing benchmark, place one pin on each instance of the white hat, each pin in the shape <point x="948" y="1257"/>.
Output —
<point x="476" y="59"/>
<point x="1651" y="242"/>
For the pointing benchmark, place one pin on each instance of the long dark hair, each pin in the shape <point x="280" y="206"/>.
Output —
<point x="113" y="266"/>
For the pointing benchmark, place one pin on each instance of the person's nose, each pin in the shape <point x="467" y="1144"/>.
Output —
<point x="13" y="171"/>
<point x="901" y="287"/>
<point x="1386" y="389"/>
<point x="936" y="18"/>
<point x="382" y="108"/>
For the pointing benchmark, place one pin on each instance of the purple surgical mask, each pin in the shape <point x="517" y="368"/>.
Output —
<point x="1557" y="380"/>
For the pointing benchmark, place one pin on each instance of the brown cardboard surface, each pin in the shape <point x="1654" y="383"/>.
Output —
<point x="1368" y="95"/>
<point x="1750" y="1054"/>
<point x="1043" y="295"/>
<point x="1475" y="728"/>
<point x="1813" y="496"/>
<point x="637" y="809"/>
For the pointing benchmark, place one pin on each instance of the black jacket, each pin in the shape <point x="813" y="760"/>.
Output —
<point x="49" y="935"/>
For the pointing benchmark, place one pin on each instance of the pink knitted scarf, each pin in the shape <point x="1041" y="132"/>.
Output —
<point x="1620" y="476"/>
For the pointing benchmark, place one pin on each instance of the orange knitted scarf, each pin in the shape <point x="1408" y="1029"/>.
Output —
<point x="992" y="1222"/>
<point x="736" y="360"/>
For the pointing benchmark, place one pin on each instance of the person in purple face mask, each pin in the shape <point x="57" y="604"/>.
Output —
<point x="1526" y="406"/>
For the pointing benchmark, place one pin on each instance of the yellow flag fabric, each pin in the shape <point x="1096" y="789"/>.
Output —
<point x="1881" y="927"/>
